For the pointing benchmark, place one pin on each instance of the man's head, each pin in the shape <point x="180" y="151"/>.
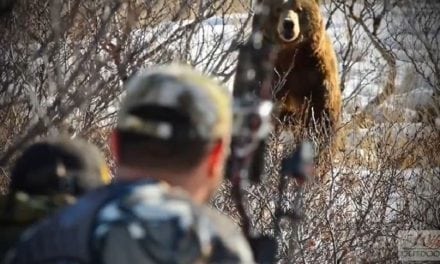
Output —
<point x="175" y="125"/>
<point x="59" y="166"/>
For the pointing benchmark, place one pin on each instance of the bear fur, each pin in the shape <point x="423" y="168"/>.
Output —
<point x="306" y="80"/>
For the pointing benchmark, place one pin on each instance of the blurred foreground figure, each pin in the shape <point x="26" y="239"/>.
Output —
<point x="47" y="176"/>
<point x="171" y="142"/>
<point x="6" y="6"/>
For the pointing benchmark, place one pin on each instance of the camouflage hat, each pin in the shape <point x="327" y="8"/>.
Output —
<point x="175" y="102"/>
<point x="59" y="166"/>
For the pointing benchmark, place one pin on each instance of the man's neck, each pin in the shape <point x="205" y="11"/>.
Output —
<point x="187" y="181"/>
<point x="131" y="174"/>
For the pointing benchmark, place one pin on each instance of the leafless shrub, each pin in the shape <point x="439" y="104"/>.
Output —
<point x="385" y="182"/>
<point x="384" y="176"/>
<point x="64" y="62"/>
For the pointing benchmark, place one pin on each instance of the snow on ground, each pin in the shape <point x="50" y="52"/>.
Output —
<point x="206" y="45"/>
<point x="370" y="70"/>
<point x="208" y="48"/>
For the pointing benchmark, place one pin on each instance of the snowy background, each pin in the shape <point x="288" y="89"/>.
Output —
<point x="68" y="78"/>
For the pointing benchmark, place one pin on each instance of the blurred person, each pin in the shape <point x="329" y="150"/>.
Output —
<point x="170" y="143"/>
<point x="6" y="7"/>
<point x="47" y="176"/>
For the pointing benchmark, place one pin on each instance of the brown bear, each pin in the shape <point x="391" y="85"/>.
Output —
<point x="306" y="80"/>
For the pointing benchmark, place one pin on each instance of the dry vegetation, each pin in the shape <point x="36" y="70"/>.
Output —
<point x="63" y="65"/>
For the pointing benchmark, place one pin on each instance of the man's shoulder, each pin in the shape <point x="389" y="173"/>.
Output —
<point x="228" y="238"/>
<point x="66" y="233"/>
<point x="155" y="223"/>
<point x="167" y="224"/>
<point x="143" y="222"/>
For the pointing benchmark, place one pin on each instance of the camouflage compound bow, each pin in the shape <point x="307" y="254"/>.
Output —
<point x="252" y="126"/>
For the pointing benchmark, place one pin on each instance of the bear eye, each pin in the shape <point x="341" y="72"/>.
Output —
<point x="278" y="9"/>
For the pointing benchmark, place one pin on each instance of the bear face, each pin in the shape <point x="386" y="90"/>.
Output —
<point x="295" y="21"/>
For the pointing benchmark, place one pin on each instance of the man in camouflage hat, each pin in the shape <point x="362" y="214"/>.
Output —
<point x="170" y="143"/>
<point x="48" y="175"/>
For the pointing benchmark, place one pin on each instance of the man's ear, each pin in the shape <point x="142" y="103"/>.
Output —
<point x="114" y="145"/>
<point x="216" y="156"/>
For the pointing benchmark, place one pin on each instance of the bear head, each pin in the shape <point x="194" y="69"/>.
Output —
<point x="293" y="22"/>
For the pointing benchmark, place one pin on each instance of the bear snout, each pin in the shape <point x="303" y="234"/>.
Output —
<point x="288" y="26"/>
